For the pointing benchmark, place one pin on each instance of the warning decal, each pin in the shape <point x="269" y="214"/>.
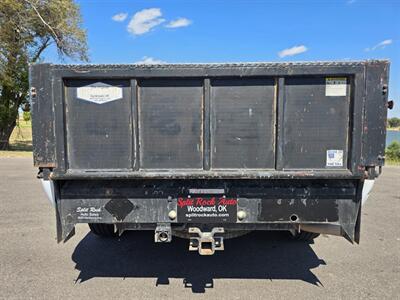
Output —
<point x="334" y="158"/>
<point x="336" y="86"/>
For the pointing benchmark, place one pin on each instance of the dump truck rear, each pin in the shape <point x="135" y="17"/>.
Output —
<point x="210" y="151"/>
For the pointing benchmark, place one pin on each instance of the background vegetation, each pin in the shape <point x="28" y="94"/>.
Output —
<point x="393" y="123"/>
<point x="392" y="153"/>
<point x="27" y="28"/>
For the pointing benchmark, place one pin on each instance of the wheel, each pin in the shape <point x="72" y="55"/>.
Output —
<point x="103" y="230"/>
<point x="305" y="236"/>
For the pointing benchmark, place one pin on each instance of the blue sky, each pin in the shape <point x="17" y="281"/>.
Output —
<point x="238" y="30"/>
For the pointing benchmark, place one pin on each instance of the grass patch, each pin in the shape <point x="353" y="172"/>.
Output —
<point x="20" y="141"/>
<point x="21" y="137"/>
<point x="390" y="162"/>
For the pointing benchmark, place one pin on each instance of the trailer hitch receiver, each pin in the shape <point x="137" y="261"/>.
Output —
<point x="206" y="243"/>
<point x="163" y="233"/>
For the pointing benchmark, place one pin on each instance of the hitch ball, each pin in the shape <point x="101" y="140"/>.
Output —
<point x="172" y="214"/>
<point x="241" y="215"/>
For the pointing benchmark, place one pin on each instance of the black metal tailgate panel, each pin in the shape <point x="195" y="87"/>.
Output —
<point x="313" y="123"/>
<point x="170" y="123"/>
<point x="98" y="136"/>
<point x="243" y="123"/>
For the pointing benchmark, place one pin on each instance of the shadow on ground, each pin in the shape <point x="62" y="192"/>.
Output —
<point x="258" y="255"/>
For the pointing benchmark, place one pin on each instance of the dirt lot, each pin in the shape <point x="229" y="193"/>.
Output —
<point x="259" y="265"/>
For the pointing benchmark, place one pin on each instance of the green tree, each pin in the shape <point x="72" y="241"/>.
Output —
<point x="393" y="151"/>
<point x="26" y="115"/>
<point x="394" y="122"/>
<point x="27" y="28"/>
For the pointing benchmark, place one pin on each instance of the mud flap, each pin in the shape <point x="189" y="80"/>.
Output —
<point x="349" y="215"/>
<point x="64" y="230"/>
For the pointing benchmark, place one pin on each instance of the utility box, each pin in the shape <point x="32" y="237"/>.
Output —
<point x="208" y="151"/>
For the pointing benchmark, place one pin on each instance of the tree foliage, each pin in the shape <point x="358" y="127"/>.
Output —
<point x="26" y="116"/>
<point x="394" y="122"/>
<point x="27" y="28"/>
<point x="393" y="151"/>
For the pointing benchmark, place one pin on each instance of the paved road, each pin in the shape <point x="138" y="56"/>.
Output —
<point x="259" y="265"/>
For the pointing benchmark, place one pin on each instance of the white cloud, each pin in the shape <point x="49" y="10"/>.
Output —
<point x="119" y="17"/>
<point x="143" y="21"/>
<point x="292" y="51"/>
<point x="380" y="45"/>
<point x="180" y="22"/>
<point x="146" y="60"/>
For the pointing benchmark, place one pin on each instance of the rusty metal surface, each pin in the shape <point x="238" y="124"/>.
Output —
<point x="313" y="123"/>
<point x="98" y="136"/>
<point x="45" y="165"/>
<point x="233" y="120"/>
<point x="267" y="204"/>
<point x="217" y="65"/>
<point x="243" y="123"/>
<point x="170" y="123"/>
<point x="375" y="115"/>
<point x="193" y="174"/>
<point x="42" y="110"/>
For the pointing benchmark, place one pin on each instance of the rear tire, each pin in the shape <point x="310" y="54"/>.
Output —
<point x="305" y="236"/>
<point x="103" y="230"/>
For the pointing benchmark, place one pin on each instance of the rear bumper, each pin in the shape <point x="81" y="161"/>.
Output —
<point x="323" y="206"/>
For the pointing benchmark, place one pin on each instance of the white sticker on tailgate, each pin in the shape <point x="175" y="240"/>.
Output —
<point x="334" y="158"/>
<point x="99" y="94"/>
<point x="336" y="86"/>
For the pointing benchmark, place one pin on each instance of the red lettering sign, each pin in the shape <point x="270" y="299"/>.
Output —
<point x="224" y="201"/>
<point x="185" y="202"/>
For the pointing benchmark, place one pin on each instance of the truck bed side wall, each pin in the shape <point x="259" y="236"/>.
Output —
<point x="42" y="109"/>
<point x="375" y="114"/>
